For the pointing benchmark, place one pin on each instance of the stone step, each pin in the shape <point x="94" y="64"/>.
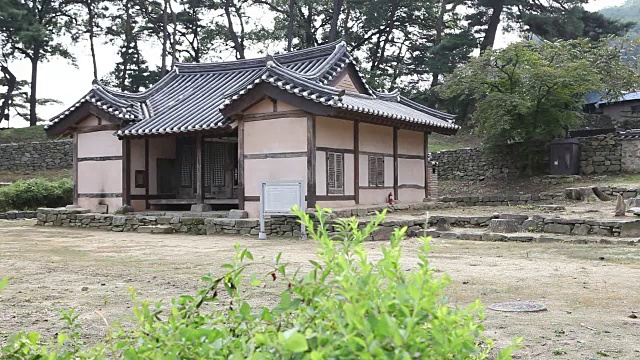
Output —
<point x="156" y="229"/>
<point x="530" y="237"/>
<point x="620" y="227"/>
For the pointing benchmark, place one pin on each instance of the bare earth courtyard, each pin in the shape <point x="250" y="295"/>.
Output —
<point x="589" y="290"/>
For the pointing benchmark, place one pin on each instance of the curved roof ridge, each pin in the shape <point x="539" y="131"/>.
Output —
<point x="439" y="114"/>
<point x="259" y="61"/>
<point x="393" y="95"/>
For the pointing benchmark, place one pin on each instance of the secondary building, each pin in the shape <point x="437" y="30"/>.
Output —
<point x="206" y="134"/>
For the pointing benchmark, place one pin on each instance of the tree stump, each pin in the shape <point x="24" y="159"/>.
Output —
<point x="503" y="226"/>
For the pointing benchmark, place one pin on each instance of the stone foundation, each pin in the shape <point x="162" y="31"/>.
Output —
<point x="276" y="226"/>
<point x="16" y="215"/>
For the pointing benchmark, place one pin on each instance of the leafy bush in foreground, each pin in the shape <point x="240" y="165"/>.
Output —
<point x="348" y="306"/>
<point x="34" y="193"/>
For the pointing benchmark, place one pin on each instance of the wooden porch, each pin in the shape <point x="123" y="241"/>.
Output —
<point x="201" y="174"/>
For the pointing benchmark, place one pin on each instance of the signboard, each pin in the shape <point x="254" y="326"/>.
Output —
<point x="277" y="197"/>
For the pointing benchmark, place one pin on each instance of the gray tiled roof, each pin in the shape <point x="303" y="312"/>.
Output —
<point x="191" y="96"/>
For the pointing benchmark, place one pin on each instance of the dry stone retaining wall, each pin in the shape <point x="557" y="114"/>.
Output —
<point x="34" y="156"/>
<point x="600" y="154"/>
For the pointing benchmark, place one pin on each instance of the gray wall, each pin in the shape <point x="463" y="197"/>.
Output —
<point x="602" y="154"/>
<point x="46" y="155"/>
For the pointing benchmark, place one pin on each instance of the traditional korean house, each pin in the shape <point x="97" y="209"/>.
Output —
<point x="206" y="134"/>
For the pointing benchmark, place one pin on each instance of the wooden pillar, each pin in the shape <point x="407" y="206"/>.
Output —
<point x="241" y="165"/>
<point x="356" y="160"/>
<point x="426" y="164"/>
<point x="75" y="169"/>
<point x="311" y="161"/>
<point x="146" y="173"/>
<point x="395" y="163"/>
<point x="126" y="171"/>
<point x="199" y="172"/>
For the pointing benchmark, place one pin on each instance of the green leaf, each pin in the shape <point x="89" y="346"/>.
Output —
<point x="4" y="282"/>
<point x="295" y="342"/>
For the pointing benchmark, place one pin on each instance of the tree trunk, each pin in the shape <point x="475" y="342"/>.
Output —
<point x="174" y="21"/>
<point x="438" y="38"/>
<point x="232" y="33"/>
<point x="33" y="100"/>
<point x="165" y="38"/>
<point x="292" y="20"/>
<point x="345" y="26"/>
<point x="11" y="85"/>
<point x="503" y="226"/>
<point x="91" y="39"/>
<point x="337" y="9"/>
<point x="492" y="27"/>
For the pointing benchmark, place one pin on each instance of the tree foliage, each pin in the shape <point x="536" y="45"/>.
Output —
<point x="530" y="92"/>
<point x="346" y="306"/>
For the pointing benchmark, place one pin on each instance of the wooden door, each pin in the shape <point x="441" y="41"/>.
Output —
<point x="219" y="168"/>
<point x="166" y="173"/>
<point x="186" y="160"/>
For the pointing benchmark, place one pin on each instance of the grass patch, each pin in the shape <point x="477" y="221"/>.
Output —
<point x="12" y="176"/>
<point x="21" y="135"/>
<point x="462" y="140"/>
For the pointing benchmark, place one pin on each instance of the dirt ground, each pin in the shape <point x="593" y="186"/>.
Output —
<point x="589" y="290"/>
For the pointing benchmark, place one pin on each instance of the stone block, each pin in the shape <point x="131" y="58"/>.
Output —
<point x="119" y="220"/>
<point x="192" y="221"/>
<point x="558" y="228"/>
<point x="157" y="229"/>
<point x="630" y="229"/>
<point x="102" y="208"/>
<point x="493" y="237"/>
<point x="247" y="223"/>
<point x="581" y="229"/>
<point x="225" y="222"/>
<point x="200" y="208"/>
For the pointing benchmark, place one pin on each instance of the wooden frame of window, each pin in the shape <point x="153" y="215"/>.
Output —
<point x="376" y="171"/>
<point x="335" y="173"/>
<point x="140" y="179"/>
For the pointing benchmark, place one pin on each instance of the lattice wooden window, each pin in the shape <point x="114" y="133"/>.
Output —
<point x="206" y="166"/>
<point x="218" y="155"/>
<point x="376" y="170"/>
<point x="186" y="165"/>
<point x="335" y="173"/>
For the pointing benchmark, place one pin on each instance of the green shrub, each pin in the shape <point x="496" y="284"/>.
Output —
<point x="34" y="193"/>
<point x="348" y="306"/>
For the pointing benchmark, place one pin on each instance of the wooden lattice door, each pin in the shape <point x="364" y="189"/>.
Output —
<point x="186" y="155"/>
<point x="219" y="168"/>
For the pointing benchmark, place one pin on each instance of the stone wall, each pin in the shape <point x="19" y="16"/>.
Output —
<point x="601" y="154"/>
<point x="630" y="149"/>
<point x="474" y="164"/>
<point x="277" y="226"/>
<point x="46" y="155"/>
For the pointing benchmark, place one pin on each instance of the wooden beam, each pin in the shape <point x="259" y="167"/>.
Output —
<point x="199" y="171"/>
<point x="311" y="161"/>
<point x="126" y="172"/>
<point x="426" y="164"/>
<point x="395" y="163"/>
<point x="146" y="173"/>
<point x="241" y="164"/>
<point x="356" y="160"/>
<point x="75" y="169"/>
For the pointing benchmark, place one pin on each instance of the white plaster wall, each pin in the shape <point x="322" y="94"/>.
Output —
<point x="410" y="195"/>
<point x="410" y="142"/>
<point x="98" y="144"/>
<point x="137" y="163"/>
<point x="257" y="170"/>
<point x="349" y="174"/>
<point x="100" y="176"/>
<point x="336" y="204"/>
<point x="376" y="138"/>
<point x="321" y="173"/>
<point x="264" y="106"/>
<point x="138" y="205"/>
<point x="388" y="171"/>
<point x="252" y="208"/>
<point x="275" y="135"/>
<point x="374" y="196"/>
<point x="92" y="203"/>
<point x="91" y="120"/>
<point x="364" y="170"/>
<point x="410" y="171"/>
<point x="334" y="133"/>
